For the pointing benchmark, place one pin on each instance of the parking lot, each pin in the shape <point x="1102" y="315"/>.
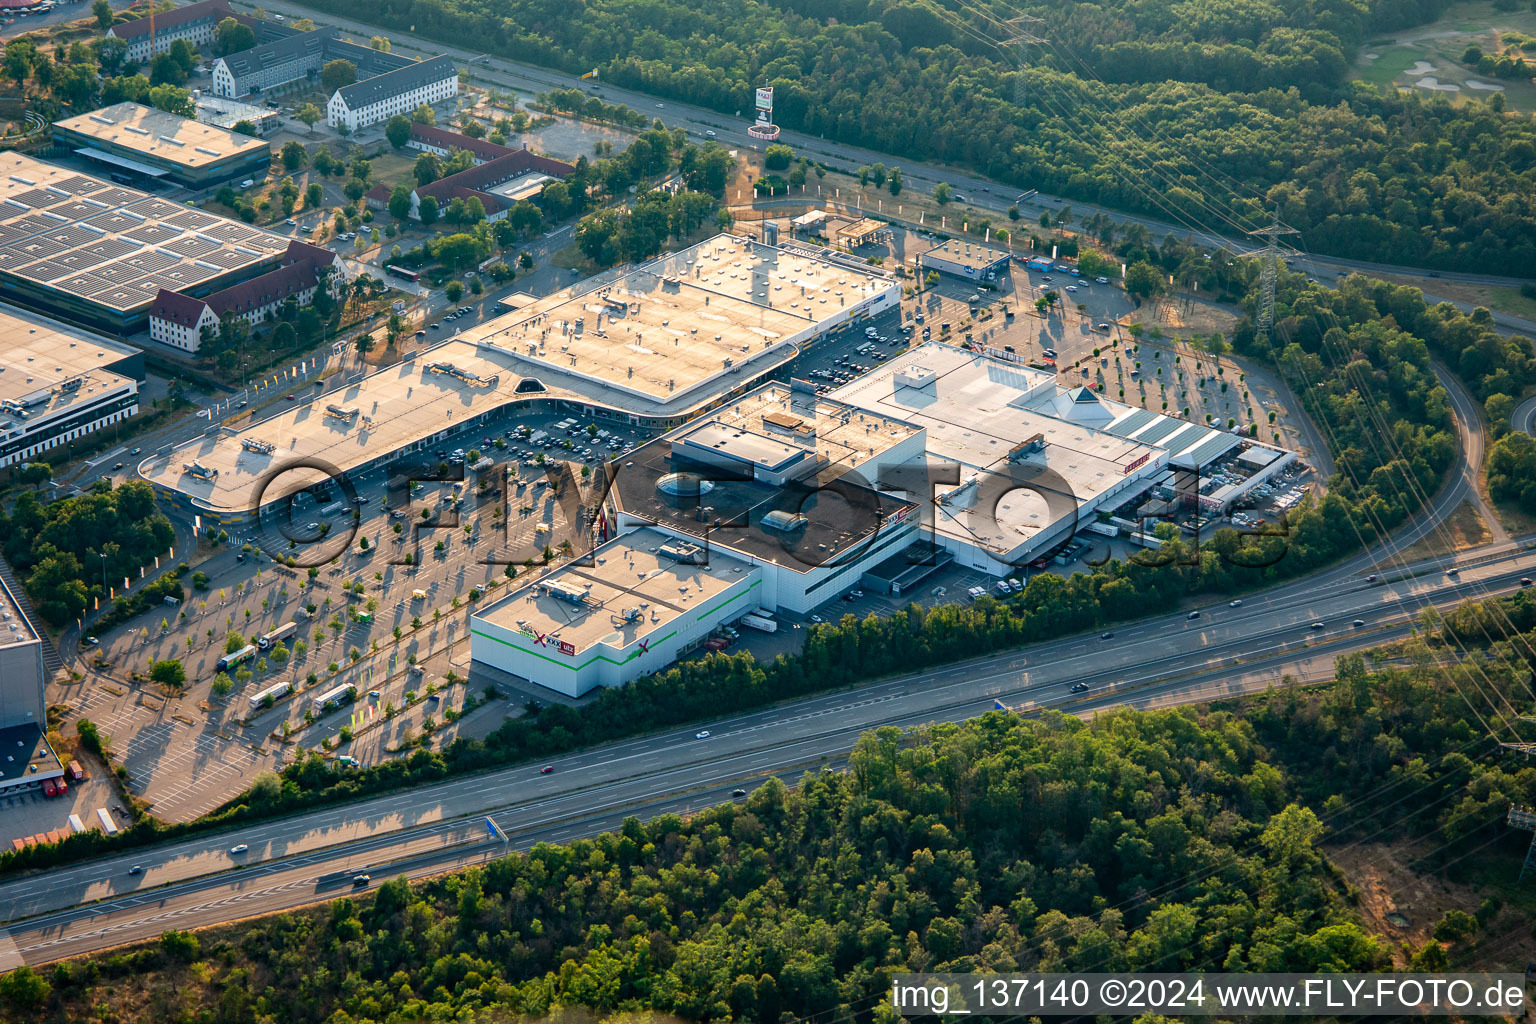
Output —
<point x="188" y="752"/>
<point x="29" y="812"/>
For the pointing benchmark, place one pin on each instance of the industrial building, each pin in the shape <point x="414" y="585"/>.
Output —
<point x="660" y="343"/>
<point x="965" y="259"/>
<point x="194" y="23"/>
<point x="58" y="384"/>
<point x="153" y="144"/>
<point x="98" y="253"/>
<point x="761" y="505"/>
<point x="647" y="598"/>
<point x="26" y="759"/>
<point x="1014" y="464"/>
<point x="371" y="100"/>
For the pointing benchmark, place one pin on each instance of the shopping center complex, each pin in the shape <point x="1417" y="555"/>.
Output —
<point x="759" y="496"/>
<point x="659" y="343"/>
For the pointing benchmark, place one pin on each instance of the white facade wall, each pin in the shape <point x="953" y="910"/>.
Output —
<point x="200" y="34"/>
<point x="45" y="439"/>
<point x="338" y="113"/>
<point x="602" y="664"/>
<point x="188" y="339"/>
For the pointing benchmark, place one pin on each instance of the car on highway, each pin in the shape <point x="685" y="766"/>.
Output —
<point x="701" y="735"/>
<point x="358" y="881"/>
<point x="1358" y="623"/>
<point x="1235" y="604"/>
<point x="548" y="769"/>
<point x="137" y="869"/>
<point x="312" y="526"/>
<point x="93" y="641"/>
<point x="136" y="451"/>
<point x="239" y="848"/>
<point x="1106" y="636"/>
<point x="1372" y="578"/>
<point x="1525" y="581"/>
<point x="118" y="466"/>
<point x="738" y="792"/>
<point x="1316" y="625"/>
<point x="1453" y="571"/>
<point x="709" y="133"/>
<point x="290" y="398"/>
<point x="1079" y="687"/>
<point x="1192" y="615"/>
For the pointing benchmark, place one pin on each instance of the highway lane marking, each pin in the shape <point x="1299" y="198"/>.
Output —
<point x="303" y="828"/>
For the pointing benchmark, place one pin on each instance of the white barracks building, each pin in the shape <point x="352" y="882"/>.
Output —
<point x="396" y="92"/>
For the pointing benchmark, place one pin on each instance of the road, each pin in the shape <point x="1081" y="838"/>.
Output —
<point x="1167" y="659"/>
<point x="1525" y="416"/>
<point x="980" y="193"/>
<point x="1153" y="659"/>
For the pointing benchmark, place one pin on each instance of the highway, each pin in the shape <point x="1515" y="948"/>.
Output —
<point x="293" y="861"/>
<point x="979" y="192"/>
<point x="1165" y="659"/>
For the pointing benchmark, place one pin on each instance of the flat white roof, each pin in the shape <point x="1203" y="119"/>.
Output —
<point x="656" y="334"/>
<point x="977" y="410"/>
<point x="630" y="593"/>
<point x="52" y="369"/>
<point x="683" y="321"/>
<point x="966" y="253"/>
<point x="170" y="137"/>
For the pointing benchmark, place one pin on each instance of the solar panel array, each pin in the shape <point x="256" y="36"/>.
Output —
<point x="113" y="246"/>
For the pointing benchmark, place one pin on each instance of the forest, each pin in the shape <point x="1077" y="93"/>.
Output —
<point x="1202" y="114"/>
<point x="63" y="551"/>
<point x="1182" y="839"/>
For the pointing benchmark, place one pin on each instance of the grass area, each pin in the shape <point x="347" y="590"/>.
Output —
<point x="1462" y="529"/>
<point x="1502" y="300"/>
<point x="1509" y="300"/>
<point x="1443" y="43"/>
<point x="1390" y="64"/>
<point x="1512" y="518"/>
